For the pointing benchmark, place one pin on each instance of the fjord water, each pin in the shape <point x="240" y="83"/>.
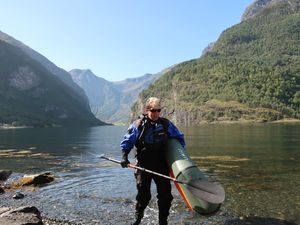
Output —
<point x="258" y="165"/>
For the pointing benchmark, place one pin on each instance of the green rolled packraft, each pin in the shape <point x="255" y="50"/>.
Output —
<point x="183" y="169"/>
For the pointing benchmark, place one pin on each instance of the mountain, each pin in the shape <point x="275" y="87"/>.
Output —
<point x="31" y="95"/>
<point x="259" y="6"/>
<point x="51" y="67"/>
<point x="252" y="73"/>
<point x="104" y="98"/>
<point x="111" y="101"/>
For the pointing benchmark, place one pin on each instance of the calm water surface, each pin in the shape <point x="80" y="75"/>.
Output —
<point x="258" y="165"/>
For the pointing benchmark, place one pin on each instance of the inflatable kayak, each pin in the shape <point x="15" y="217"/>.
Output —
<point x="182" y="168"/>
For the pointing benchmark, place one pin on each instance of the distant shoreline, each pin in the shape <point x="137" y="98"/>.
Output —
<point x="224" y="122"/>
<point x="6" y="126"/>
<point x="286" y="120"/>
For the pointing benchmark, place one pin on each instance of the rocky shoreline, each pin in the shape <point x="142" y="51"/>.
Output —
<point x="10" y="215"/>
<point x="27" y="215"/>
<point x="15" y="212"/>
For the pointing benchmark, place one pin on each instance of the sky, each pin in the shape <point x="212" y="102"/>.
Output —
<point x="119" y="39"/>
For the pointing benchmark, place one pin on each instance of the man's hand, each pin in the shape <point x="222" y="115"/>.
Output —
<point x="124" y="161"/>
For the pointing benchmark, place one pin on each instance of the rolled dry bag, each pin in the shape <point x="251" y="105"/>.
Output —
<point x="183" y="169"/>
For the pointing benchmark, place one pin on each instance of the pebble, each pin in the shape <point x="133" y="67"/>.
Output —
<point x="18" y="196"/>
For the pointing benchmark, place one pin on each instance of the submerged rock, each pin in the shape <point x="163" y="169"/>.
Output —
<point x="4" y="174"/>
<point x="37" y="179"/>
<point x="20" y="216"/>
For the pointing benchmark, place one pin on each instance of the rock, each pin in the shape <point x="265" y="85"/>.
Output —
<point x="18" y="195"/>
<point x="21" y="216"/>
<point x="37" y="179"/>
<point x="4" y="209"/>
<point x="4" y="174"/>
<point x="23" y="78"/>
<point x="258" y="6"/>
<point x="208" y="49"/>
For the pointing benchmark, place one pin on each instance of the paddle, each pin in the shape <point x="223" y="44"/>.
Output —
<point x="202" y="189"/>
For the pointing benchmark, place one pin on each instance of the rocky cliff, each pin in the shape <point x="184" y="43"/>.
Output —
<point x="259" y="6"/>
<point x="31" y="95"/>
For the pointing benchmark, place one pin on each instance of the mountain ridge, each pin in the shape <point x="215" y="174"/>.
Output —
<point x="111" y="101"/>
<point x="259" y="6"/>
<point x="50" y="66"/>
<point x="33" y="96"/>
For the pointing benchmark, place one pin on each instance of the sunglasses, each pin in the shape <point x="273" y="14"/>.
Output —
<point x="155" y="110"/>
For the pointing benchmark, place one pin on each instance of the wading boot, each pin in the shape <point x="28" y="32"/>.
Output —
<point x="163" y="221"/>
<point x="138" y="218"/>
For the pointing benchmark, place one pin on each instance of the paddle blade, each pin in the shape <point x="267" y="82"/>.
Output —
<point x="206" y="190"/>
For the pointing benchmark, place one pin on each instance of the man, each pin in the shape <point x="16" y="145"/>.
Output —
<point x="149" y="135"/>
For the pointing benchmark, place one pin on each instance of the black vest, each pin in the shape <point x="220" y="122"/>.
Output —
<point x="151" y="141"/>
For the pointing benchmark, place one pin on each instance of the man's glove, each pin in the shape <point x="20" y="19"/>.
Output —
<point x="124" y="161"/>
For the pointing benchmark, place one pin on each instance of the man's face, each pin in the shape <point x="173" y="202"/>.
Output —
<point x="153" y="112"/>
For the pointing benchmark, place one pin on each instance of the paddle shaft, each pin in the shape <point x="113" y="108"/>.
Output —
<point x="143" y="169"/>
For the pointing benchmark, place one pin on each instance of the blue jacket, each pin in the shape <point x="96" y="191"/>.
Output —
<point x="132" y="135"/>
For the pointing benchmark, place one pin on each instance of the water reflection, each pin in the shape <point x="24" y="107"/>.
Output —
<point x="60" y="146"/>
<point x="258" y="164"/>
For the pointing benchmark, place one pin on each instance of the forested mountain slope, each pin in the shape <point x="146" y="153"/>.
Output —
<point x="252" y="73"/>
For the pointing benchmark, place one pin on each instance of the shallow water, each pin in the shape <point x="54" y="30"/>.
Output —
<point x="258" y="165"/>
